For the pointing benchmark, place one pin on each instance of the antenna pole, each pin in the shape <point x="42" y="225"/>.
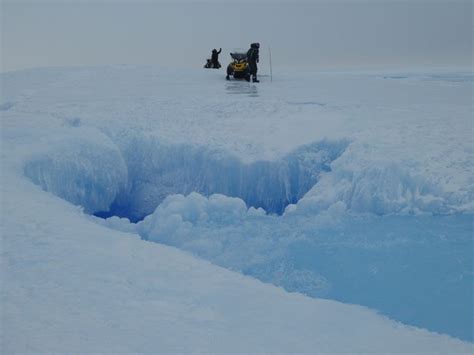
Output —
<point x="270" y="57"/>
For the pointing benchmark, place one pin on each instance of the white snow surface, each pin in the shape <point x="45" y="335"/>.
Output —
<point x="126" y="139"/>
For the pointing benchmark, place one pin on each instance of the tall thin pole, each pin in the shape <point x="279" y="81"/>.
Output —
<point x="270" y="56"/>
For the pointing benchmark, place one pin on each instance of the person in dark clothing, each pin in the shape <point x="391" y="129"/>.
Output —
<point x="215" y="58"/>
<point x="252" y="58"/>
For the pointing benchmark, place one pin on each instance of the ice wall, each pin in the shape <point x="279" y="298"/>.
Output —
<point x="80" y="165"/>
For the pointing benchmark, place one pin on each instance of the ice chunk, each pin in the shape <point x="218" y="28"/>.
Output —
<point x="178" y="214"/>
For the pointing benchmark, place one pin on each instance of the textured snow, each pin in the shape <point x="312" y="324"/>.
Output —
<point x="297" y="182"/>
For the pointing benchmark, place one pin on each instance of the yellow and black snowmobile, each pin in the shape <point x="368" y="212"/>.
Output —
<point x="239" y="67"/>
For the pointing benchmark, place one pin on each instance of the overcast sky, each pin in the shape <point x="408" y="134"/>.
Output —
<point x="319" y="35"/>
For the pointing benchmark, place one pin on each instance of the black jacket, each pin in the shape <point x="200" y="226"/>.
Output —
<point x="215" y="55"/>
<point x="252" y="55"/>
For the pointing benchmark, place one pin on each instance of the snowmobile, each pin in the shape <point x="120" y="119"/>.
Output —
<point x="210" y="65"/>
<point x="239" y="67"/>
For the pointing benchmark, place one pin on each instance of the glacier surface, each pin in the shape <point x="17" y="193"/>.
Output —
<point x="346" y="186"/>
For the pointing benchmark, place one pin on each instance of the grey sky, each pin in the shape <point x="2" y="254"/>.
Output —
<point x="317" y="35"/>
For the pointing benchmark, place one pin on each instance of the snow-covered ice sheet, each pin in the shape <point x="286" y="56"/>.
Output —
<point x="368" y="179"/>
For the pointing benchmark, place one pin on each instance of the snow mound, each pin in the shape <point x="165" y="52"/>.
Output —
<point x="80" y="165"/>
<point x="175" y="218"/>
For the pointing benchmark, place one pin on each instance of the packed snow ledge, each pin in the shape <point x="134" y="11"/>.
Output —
<point x="351" y="187"/>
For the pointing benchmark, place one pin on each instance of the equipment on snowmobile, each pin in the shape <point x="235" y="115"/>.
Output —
<point x="210" y="65"/>
<point x="239" y="67"/>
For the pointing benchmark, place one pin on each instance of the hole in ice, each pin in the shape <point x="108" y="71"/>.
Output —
<point x="157" y="170"/>
<point x="133" y="180"/>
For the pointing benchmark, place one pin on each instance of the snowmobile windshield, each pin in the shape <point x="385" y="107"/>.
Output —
<point x="239" y="56"/>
